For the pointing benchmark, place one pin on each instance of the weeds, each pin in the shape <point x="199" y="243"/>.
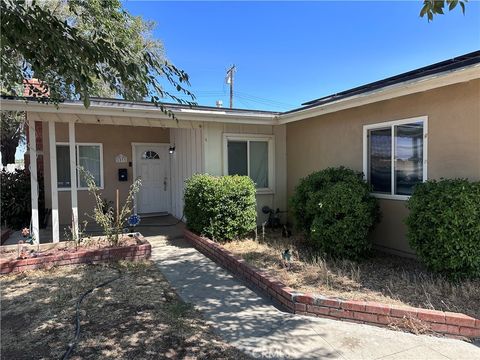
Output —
<point x="383" y="277"/>
<point x="111" y="223"/>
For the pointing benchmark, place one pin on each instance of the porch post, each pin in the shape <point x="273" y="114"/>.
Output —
<point x="33" y="179"/>
<point x="73" y="177"/>
<point x="53" y="180"/>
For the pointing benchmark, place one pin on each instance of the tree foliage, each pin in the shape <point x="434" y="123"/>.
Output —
<point x="437" y="7"/>
<point x="11" y="134"/>
<point x="77" y="47"/>
<point x="16" y="205"/>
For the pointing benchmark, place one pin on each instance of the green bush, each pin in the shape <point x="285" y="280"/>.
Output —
<point x="16" y="205"/>
<point x="222" y="208"/>
<point x="336" y="211"/>
<point x="444" y="226"/>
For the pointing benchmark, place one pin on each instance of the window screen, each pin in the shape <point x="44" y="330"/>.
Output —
<point x="63" y="166"/>
<point x="87" y="156"/>
<point x="408" y="157"/>
<point x="237" y="158"/>
<point x="259" y="163"/>
<point x="380" y="157"/>
<point x="89" y="160"/>
<point x="404" y="162"/>
<point x="249" y="157"/>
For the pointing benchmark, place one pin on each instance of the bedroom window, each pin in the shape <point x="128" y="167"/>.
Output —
<point x="88" y="156"/>
<point x="250" y="155"/>
<point x="395" y="156"/>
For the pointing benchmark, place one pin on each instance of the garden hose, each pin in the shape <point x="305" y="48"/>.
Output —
<point x="72" y="344"/>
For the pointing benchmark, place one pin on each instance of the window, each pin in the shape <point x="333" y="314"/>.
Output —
<point x="250" y="155"/>
<point x="88" y="156"/>
<point x="150" y="155"/>
<point x="395" y="156"/>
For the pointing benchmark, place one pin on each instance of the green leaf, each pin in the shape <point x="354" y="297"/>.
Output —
<point x="86" y="101"/>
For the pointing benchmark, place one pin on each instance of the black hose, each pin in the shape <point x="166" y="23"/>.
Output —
<point x="72" y="344"/>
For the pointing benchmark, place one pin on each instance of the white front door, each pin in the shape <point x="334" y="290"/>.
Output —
<point x="152" y="164"/>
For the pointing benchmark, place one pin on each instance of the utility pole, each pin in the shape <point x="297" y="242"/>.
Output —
<point x="229" y="80"/>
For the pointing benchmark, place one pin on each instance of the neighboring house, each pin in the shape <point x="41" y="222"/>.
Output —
<point x="420" y="125"/>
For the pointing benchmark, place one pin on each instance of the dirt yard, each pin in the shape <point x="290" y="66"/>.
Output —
<point x="384" y="278"/>
<point x="135" y="317"/>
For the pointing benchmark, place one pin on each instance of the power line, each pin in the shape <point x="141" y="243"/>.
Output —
<point x="265" y="99"/>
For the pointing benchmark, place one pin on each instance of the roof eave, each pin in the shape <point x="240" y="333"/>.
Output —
<point x="401" y="89"/>
<point x="141" y="112"/>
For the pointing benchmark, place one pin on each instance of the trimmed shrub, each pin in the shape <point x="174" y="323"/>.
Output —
<point x="444" y="226"/>
<point x="336" y="211"/>
<point x="221" y="208"/>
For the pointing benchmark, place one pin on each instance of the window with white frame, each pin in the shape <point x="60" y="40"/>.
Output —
<point x="395" y="156"/>
<point x="88" y="156"/>
<point x="250" y="155"/>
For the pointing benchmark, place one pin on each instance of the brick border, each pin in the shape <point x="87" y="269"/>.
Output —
<point x="133" y="253"/>
<point x="366" y="312"/>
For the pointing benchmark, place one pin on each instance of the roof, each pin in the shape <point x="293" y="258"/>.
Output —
<point x="459" y="69"/>
<point x="175" y="106"/>
<point x="446" y="65"/>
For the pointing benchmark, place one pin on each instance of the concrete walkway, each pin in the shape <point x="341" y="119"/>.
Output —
<point x="251" y="323"/>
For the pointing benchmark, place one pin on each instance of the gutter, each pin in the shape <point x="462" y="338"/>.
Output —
<point x="77" y="108"/>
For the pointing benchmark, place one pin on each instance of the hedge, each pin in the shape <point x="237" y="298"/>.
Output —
<point x="335" y="210"/>
<point x="221" y="208"/>
<point x="444" y="226"/>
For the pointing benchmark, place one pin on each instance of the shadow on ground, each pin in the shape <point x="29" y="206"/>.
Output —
<point x="137" y="316"/>
<point x="244" y="318"/>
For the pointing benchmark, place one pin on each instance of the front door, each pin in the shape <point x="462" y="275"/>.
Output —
<point x="153" y="167"/>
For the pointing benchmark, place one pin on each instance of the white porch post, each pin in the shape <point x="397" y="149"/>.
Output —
<point x="73" y="177"/>
<point x="53" y="180"/>
<point x="33" y="179"/>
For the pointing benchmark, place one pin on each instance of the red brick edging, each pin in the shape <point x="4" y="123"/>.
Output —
<point x="365" y="312"/>
<point x="132" y="253"/>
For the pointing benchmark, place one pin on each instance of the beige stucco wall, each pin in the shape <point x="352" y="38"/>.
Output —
<point x="116" y="140"/>
<point x="213" y="136"/>
<point x="337" y="139"/>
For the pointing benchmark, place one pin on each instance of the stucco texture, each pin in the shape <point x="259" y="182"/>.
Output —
<point x="214" y="159"/>
<point x="336" y="139"/>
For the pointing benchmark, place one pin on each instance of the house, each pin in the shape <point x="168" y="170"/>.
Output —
<point x="423" y="124"/>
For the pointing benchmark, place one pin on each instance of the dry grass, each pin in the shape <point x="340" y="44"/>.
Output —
<point x="137" y="316"/>
<point x="384" y="278"/>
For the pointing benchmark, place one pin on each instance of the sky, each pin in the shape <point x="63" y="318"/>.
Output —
<point x="287" y="53"/>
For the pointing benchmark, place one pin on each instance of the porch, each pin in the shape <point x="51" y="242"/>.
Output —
<point x="117" y="141"/>
<point x="165" y="227"/>
<point x="114" y="150"/>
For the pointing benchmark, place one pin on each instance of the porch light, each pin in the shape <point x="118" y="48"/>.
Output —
<point x="171" y="150"/>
